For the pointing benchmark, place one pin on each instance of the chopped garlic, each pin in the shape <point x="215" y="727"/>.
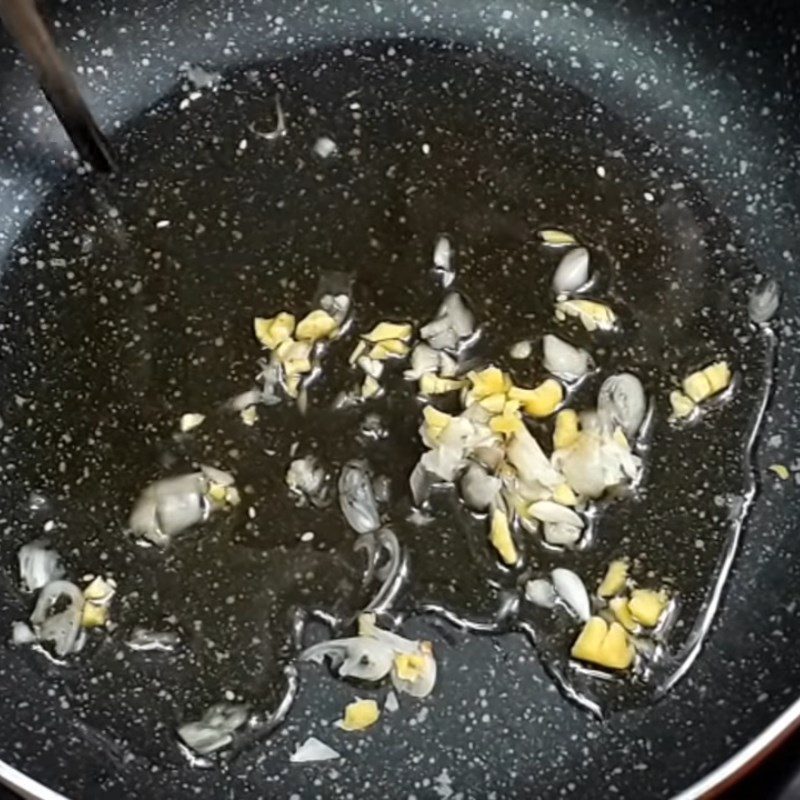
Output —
<point x="389" y="330"/>
<point x="271" y="332"/>
<point x="191" y="421"/>
<point x="433" y="384"/>
<point x="557" y="238"/>
<point x="292" y="384"/>
<point x="682" y="406"/>
<point x="249" y="415"/>
<point x="593" y="315"/>
<point x="541" y="401"/>
<point x="646" y="606"/>
<point x="566" y="430"/>
<point x="780" y="470"/>
<point x="614" y="580"/>
<point x="317" y="325"/>
<point x="359" y="715"/>
<point x="500" y="537"/>
<point x="521" y="350"/>
<point x="603" y="644"/>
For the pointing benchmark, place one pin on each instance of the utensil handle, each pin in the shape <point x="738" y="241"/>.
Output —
<point x="26" y="26"/>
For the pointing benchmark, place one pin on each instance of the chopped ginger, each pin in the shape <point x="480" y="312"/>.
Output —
<point x="435" y="422"/>
<point x="433" y="384"/>
<point x="410" y="666"/>
<point x="494" y="403"/>
<point x="390" y="348"/>
<point x="682" y="406"/>
<point x="697" y="387"/>
<point x="359" y="715"/>
<point x="389" y="330"/>
<point x="556" y="237"/>
<point x="564" y="495"/>
<point x="711" y="380"/>
<point x="614" y="580"/>
<point x="271" y="332"/>
<point x="509" y="422"/>
<point x="619" y="607"/>
<point x="780" y="470"/>
<point x="603" y="644"/>
<point x="567" y="429"/>
<point x="500" y="537"/>
<point x="592" y="315"/>
<point x="191" y="421"/>
<point x="541" y="401"/>
<point x="646" y="606"/>
<point x="94" y="615"/>
<point x="317" y="325"/>
<point x="488" y="382"/>
<point x="292" y="384"/>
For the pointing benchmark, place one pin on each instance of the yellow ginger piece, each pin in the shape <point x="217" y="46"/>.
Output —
<point x="488" y="382"/>
<point x="555" y="237"/>
<point x="94" y="615"/>
<point x="780" y="470"/>
<point x="390" y="348"/>
<point x="603" y="644"/>
<point x="501" y="539"/>
<point x="435" y="422"/>
<point x="271" y="332"/>
<point x="682" y="406"/>
<point x="359" y="715"/>
<point x="614" y="580"/>
<point x="384" y="331"/>
<point x="706" y="382"/>
<point x="509" y="422"/>
<point x="646" y="606"/>
<point x="494" y="403"/>
<point x="593" y="316"/>
<point x="410" y="666"/>
<point x="317" y="325"/>
<point x="541" y="401"/>
<point x="567" y="429"/>
<point x="432" y="384"/>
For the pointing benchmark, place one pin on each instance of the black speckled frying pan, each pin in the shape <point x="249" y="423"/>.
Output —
<point x="664" y="133"/>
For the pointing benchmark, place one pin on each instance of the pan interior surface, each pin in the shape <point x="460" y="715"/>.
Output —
<point x="129" y="301"/>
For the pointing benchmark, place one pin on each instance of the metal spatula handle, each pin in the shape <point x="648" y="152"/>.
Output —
<point x="27" y="27"/>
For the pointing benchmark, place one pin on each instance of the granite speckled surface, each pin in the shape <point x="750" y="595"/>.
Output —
<point x="716" y="94"/>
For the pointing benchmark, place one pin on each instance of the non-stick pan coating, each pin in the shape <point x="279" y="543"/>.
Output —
<point x="496" y="724"/>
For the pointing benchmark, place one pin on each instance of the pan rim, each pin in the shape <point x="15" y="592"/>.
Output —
<point x="710" y="785"/>
<point x="747" y="758"/>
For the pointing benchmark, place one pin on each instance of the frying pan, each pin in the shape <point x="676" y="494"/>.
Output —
<point x="114" y="324"/>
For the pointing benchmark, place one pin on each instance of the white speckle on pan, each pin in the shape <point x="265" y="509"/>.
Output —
<point x="324" y="147"/>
